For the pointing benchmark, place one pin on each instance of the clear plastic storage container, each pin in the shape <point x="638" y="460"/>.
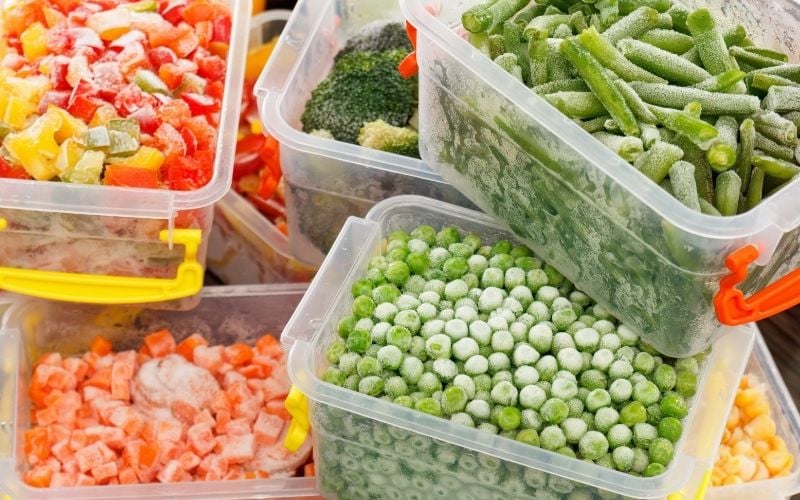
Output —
<point x="111" y="245"/>
<point x="245" y="248"/>
<point x="367" y="445"/>
<point x="327" y="181"/>
<point x="224" y="315"/>
<point x="787" y="418"/>
<point x="615" y="234"/>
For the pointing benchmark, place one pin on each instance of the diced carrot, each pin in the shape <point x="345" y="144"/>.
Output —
<point x="186" y="346"/>
<point x="277" y="407"/>
<point x="268" y="428"/>
<point x="189" y="460"/>
<point x="223" y="417"/>
<point x="253" y="371"/>
<point x="160" y="343"/>
<point x="46" y="416"/>
<point x="309" y="470"/>
<point x="101" y="346"/>
<point x="127" y="419"/>
<point x="127" y="476"/>
<point x="77" y="367"/>
<point x="61" y="450"/>
<point x="62" y="479"/>
<point x="238" y="354"/>
<point x="93" y="456"/>
<point x="38" y="477"/>
<point x="85" y="480"/>
<point x="50" y="358"/>
<point x="78" y="440"/>
<point x="171" y="473"/>
<point x="204" y="417"/>
<point x="168" y="430"/>
<point x="269" y="346"/>
<point x="105" y="471"/>
<point x="37" y="393"/>
<point x="148" y="454"/>
<point x="239" y="449"/>
<point x="209" y="358"/>
<point x="114" y="437"/>
<point x="183" y="411"/>
<point x="36" y="444"/>
<point x="100" y="379"/>
<point x="201" y="438"/>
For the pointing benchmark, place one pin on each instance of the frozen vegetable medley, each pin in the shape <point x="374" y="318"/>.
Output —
<point x="488" y="336"/>
<point x="690" y="102"/>
<point x="171" y="412"/>
<point x="115" y="93"/>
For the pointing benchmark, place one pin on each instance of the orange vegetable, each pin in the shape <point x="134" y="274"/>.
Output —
<point x="186" y="346"/>
<point x="160" y="343"/>
<point x="101" y="346"/>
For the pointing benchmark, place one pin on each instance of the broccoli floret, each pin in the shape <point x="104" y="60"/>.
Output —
<point x="377" y="37"/>
<point x="362" y="87"/>
<point x="384" y="137"/>
<point x="321" y="133"/>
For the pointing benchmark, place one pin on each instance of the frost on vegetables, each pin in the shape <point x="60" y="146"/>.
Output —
<point x="120" y="94"/>
<point x="171" y="412"/>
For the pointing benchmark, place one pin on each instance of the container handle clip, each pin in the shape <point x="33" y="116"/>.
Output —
<point x="733" y="308"/>
<point x="296" y="404"/>
<point x="102" y="289"/>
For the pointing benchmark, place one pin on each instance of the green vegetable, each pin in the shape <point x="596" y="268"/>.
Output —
<point x="384" y="137"/>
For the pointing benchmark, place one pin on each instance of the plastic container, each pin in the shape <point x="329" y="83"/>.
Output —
<point x="327" y="181"/>
<point x="625" y="241"/>
<point x="245" y="248"/>
<point x="352" y="429"/>
<point x="97" y="244"/>
<point x="787" y="418"/>
<point x="224" y="315"/>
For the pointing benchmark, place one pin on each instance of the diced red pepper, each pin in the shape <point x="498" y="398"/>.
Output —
<point x="186" y="174"/>
<point x="200" y="104"/>
<point x="147" y="118"/>
<point x="267" y="186"/>
<point x="246" y="164"/>
<point x="118" y="175"/>
<point x="215" y="89"/>
<point x="252" y="143"/>
<point x="58" y="73"/>
<point x="8" y="171"/>
<point x="171" y="142"/>
<point x="133" y="36"/>
<point x="172" y="10"/>
<point x="211" y="67"/>
<point x="190" y="140"/>
<point x="269" y="208"/>
<point x="161" y="55"/>
<point x="205" y="32"/>
<point x="83" y="107"/>
<point x="58" y="98"/>
<point x="66" y="5"/>
<point x="222" y="29"/>
<point x="59" y="40"/>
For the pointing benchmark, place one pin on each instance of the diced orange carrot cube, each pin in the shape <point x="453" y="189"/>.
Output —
<point x="46" y="416"/>
<point x="183" y="411"/>
<point x="221" y="402"/>
<point x="77" y="367"/>
<point x="201" y="438"/>
<point x="127" y="419"/>
<point x="233" y="377"/>
<point x="160" y="343"/>
<point x="238" y="354"/>
<point x="37" y="445"/>
<point x="91" y="392"/>
<point x="268" y="428"/>
<point x="204" y="417"/>
<point x="127" y="476"/>
<point x="168" y="430"/>
<point x="239" y="449"/>
<point x="114" y="437"/>
<point x="278" y="407"/>
<point x="38" y="477"/>
<point x="62" y="479"/>
<point x="189" y="460"/>
<point x="187" y="346"/>
<point x="268" y="345"/>
<point x="94" y="455"/>
<point x="223" y="417"/>
<point x="209" y="358"/>
<point x="78" y="440"/>
<point x="148" y="454"/>
<point x="171" y="473"/>
<point x="105" y="471"/>
<point x="275" y="389"/>
<point x="85" y="480"/>
<point x="100" y="379"/>
<point x="100" y="346"/>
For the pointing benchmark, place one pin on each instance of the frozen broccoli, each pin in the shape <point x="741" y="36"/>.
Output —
<point x="362" y="87"/>
<point x="384" y="137"/>
<point x="377" y="37"/>
<point x="321" y="133"/>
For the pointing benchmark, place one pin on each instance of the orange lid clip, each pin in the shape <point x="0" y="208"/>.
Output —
<point x="733" y="308"/>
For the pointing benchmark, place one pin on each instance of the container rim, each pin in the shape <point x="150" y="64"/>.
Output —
<point x="752" y="222"/>
<point x="150" y="203"/>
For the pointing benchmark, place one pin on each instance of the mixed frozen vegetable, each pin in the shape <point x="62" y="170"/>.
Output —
<point x="696" y="107"/>
<point x="493" y="338"/>
<point x="364" y="100"/>
<point x="121" y="93"/>
<point x="171" y="412"/>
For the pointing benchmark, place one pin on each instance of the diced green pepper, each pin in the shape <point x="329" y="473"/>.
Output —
<point x="127" y="126"/>
<point x="87" y="170"/>
<point x="96" y="138"/>
<point x="122" y="144"/>
<point x="150" y="82"/>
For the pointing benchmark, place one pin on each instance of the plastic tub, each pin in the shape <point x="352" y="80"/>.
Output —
<point x="245" y="248"/>
<point x="351" y="428"/>
<point x="787" y="418"/>
<point x="327" y="181"/>
<point x="96" y="244"/>
<point x="625" y="241"/>
<point x="225" y="314"/>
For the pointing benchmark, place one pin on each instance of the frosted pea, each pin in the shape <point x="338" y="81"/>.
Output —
<point x="646" y="392"/>
<point x="582" y="393"/>
<point x="512" y="305"/>
<point x="483" y="395"/>
<point x="531" y="420"/>
<point x="483" y="382"/>
<point x="502" y="376"/>
<point x="431" y="328"/>
<point x="576" y="407"/>
<point x="539" y="311"/>
<point x="417" y="348"/>
<point x="625" y="353"/>
<point x="454" y="400"/>
<point x="601" y="313"/>
<point x="475" y="295"/>
<point x="570" y="359"/>
<point x="492" y="277"/>
<point x="462" y="250"/>
<point x="602" y="359"/>
<point x="547" y="366"/>
<point x="378" y="332"/>
<point x="580" y="298"/>
<point x="524" y="354"/>
<point x="597" y="398"/>
<point x="637" y="377"/>
<point x="364" y="324"/>
<point x="536" y="279"/>
<point x="466" y="383"/>
<point x="436" y="286"/>
<point x="498" y="361"/>
<point x="429" y="383"/>
<point x="619" y="435"/>
<point x="446" y="314"/>
<point x="593" y="379"/>
<point x="456" y="329"/>
<point x="408" y="319"/>
<point x="623" y="458"/>
<point x="640" y="460"/>
<point x="395" y="387"/>
<point x="502" y="341"/>
<point x="438" y="256"/>
<point x="524" y="376"/>
<point x="390" y="357"/>
<point x="574" y="429"/>
<point x="610" y="341"/>
<point x="644" y="363"/>
<point x="588" y="417"/>
<point x="574" y="327"/>
<point x="519" y="331"/>
<point x="605" y="418"/>
<point x="462" y="419"/>
<point x="527" y="320"/>
<point x="522" y="294"/>
<point x="416" y="245"/>
<point x="604" y="326"/>
<point x="587" y="360"/>
<point x="562" y="340"/>
<point x="415" y="285"/>
<point x="560" y="303"/>
<point x="627" y="335"/>
<point x="547" y="294"/>
<point x="372" y="350"/>
<point x="477" y="264"/>
<point x="552" y="438"/>
<point x="620" y="390"/>
<point x="487" y="427"/>
<point x="466" y="313"/>
<point x="455" y="290"/>
<point x="532" y="397"/>
<point x="563" y="318"/>
<point x="566" y="375"/>
<point x="429" y="297"/>
<point x="563" y="389"/>
<point x="643" y="435"/>
<point x="514" y="277"/>
<point x="665" y="377"/>
<point x="587" y="319"/>
<point x="504" y="313"/>
<point x="372" y="385"/>
<point x="505" y="394"/>
<point x="687" y="364"/>
<point x="497" y="323"/>
<point x="465" y="348"/>
<point x="427" y="312"/>
<point x="348" y="362"/>
<point x="491" y="298"/>
<point x="438" y="346"/>
<point x="385" y="311"/>
<point x="587" y="339"/>
<point x="593" y="445"/>
<point x="545" y="386"/>
<point x="481" y="332"/>
<point x="478" y="409"/>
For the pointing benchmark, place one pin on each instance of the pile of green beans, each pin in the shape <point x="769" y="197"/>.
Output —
<point x="694" y="106"/>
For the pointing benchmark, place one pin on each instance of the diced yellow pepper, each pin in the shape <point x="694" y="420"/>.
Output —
<point x="256" y="127"/>
<point x="103" y="115"/>
<point x="87" y="170"/>
<point x="31" y="88"/>
<point x="68" y="155"/>
<point x="147" y="158"/>
<point x="17" y="112"/>
<point x="256" y="60"/>
<point x="70" y="126"/>
<point x="34" y="41"/>
<point x="53" y="17"/>
<point x="143" y="6"/>
<point x="110" y="24"/>
<point x="35" y="147"/>
<point x="4" y="97"/>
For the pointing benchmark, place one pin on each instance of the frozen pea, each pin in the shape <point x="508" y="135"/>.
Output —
<point x="644" y="363"/>
<point x="605" y="418"/>
<point x="620" y="369"/>
<point x="552" y="438"/>
<point x="427" y="312"/>
<point x="593" y="445"/>
<point x="527" y="320"/>
<point x="596" y="399"/>
<point x="455" y="267"/>
<point x="547" y="366"/>
<point x="588" y="417"/>
<point x="345" y="326"/>
<point x="601" y="313"/>
<point x="672" y="405"/>
<point x="454" y="400"/>
<point x="587" y="319"/>
<point x="431" y="328"/>
<point x="477" y="264"/>
<point x="478" y="409"/>
<point x="463" y="250"/>
<point x="438" y="256"/>
<point x="528" y="436"/>
<point x="587" y="360"/>
<point x="509" y="418"/>
<point x="653" y="470"/>
<point x="563" y="389"/>
<point x="576" y="407"/>
<point x="554" y="411"/>
<point x="512" y="306"/>
<point x="531" y="420"/>
<point x="665" y="377"/>
<point x="462" y="419"/>
<point x="409" y="320"/>
<point x="502" y="376"/>
<point x="363" y="306"/>
<point x="640" y="460"/>
<point x="623" y="458"/>
<point x="359" y="341"/>
<point x="501" y="261"/>
<point x="536" y="279"/>
<point x="522" y="294"/>
<point x="476" y="365"/>
<point x="397" y="272"/>
<point x="620" y="390"/>
<point x="575" y="327"/>
<point x="467" y="302"/>
<point x="539" y="311"/>
<point x="396" y="387"/>
<point x="627" y="335"/>
<point x="514" y="277"/>
<point x="625" y="353"/>
<point x="407" y="302"/>
<point x="570" y="359"/>
<point x="417" y="395"/>
<point x="541" y="338"/>
<point x="580" y="298"/>
<point x="633" y="413"/>
<point x="532" y="397"/>
<point x="385" y="311"/>
<point x="604" y="327"/>
<point x="445" y="369"/>
<point x="519" y="331"/>
<point x="483" y="382"/>
<point x="466" y="383"/>
<point x="491" y="298"/>
<point x="687" y="364"/>
<point x="417" y="245"/>
<point x="502" y="341"/>
<point x="560" y="303"/>
<point x="574" y="429"/>
<point x="429" y="383"/>
<point x="456" y="329"/>
<point x="361" y="287"/>
<point x="508" y="315"/>
<point x="492" y="277"/>
<point x="379" y="331"/>
<point x="429" y="297"/>
<point x="644" y="434"/>
<point x="481" y="332"/>
<point x="465" y="348"/>
<point x="438" y="346"/>
<point x="372" y="351"/>
<point x="646" y="393"/>
<point x="566" y="375"/>
<point x="405" y="401"/>
<point x="335" y="351"/>
<point x="487" y="427"/>
<point x="448" y="236"/>
<point x="554" y="278"/>
<point x="466" y="313"/>
<point x="334" y="376"/>
<point x="348" y="362"/>
<point x="562" y="340"/>
<point x="547" y="294"/>
<point x="525" y="375"/>
<point x="653" y="414"/>
<point x="497" y="323"/>
<point x="593" y="379"/>
<point x="436" y="286"/>
<point x="610" y="341"/>
<point x="602" y="359"/>
<point x="686" y="383"/>
<point x="637" y="377"/>
<point x="505" y="393"/>
<point x="390" y="357"/>
<point x="499" y="361"/>
<point x="456" y="289"/>
<point x="372" y="385"/>
<point x="545" y="385"/>
<point x="619" y="435"/>
<point x="587" y="339"/>
<point x="670" y="428"/>
<point x="364" y="324"/>
<point x="429" y="406"/>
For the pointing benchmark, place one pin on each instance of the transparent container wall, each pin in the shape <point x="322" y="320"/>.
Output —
<point x="225" y="315"/>
<point x="619" y="237"/>
<point x="343" y="418"/>
<point x="327" y="181"/>
<point x="246" y="248"/>
<point x="786" y="416"/>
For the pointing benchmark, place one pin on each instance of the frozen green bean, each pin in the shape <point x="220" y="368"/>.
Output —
<point x="612" y="126"/>
<point x="611" y="58"/>
<point x="593" y="125"/>
<point x="707" y="208"/>
<point x="492" y="16"/>
<point x="710" y="43"/>
<point x="702" y="170"/>
<point x="768" y="53"/>
<point x="685" y="123"/>
<point x="562" y="31"/>
<point x="633" y="25"/>
<point x="664" y="22"/>
<point x="571" y="85"/>
<point x="656" y="161"/>
<point x="726" y="193"/>
<point x="577" y="104"/>
<point x="665" y="64"/>
<point x="608" y="11"/>
<point x="524" y="16"/>
<point x="721" y="155"/>
<point x="772" y="148"/>
<point x="713" y="103"/>
<point x="753" y="60"/>
<point x="650" y="134"/>
<point x="722" y="81"/>
<point x="755" y="190"/>
<point x="794" y="117"/>
<point x="669" y="40"/>
<point x="782" y="99"/>
<point x="639" y="108"/>
<point x="481" y="42"/>
<point x="679" y="13"/>
<point x="558" y="67"/>
<point x="538" y="57"/>
<point x="775" y="167"/>
<point x="744" y="157"/>
<point x="629" y="148"/>
<point x="732" y="36"/>
<point x="497" y="46"/>
<point x="788" y="71"/>
<point x="512" y="38"/>
<point x="776" y="127"/>
<point x="628" y="6"/>
<point x="510" y="63"/>
<point x="763" y="81"/>
<point x="578" y="22"/>
<point x="601" y="85"/>
<point x="542" y="27"/>
<point x="684" y="188"/>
